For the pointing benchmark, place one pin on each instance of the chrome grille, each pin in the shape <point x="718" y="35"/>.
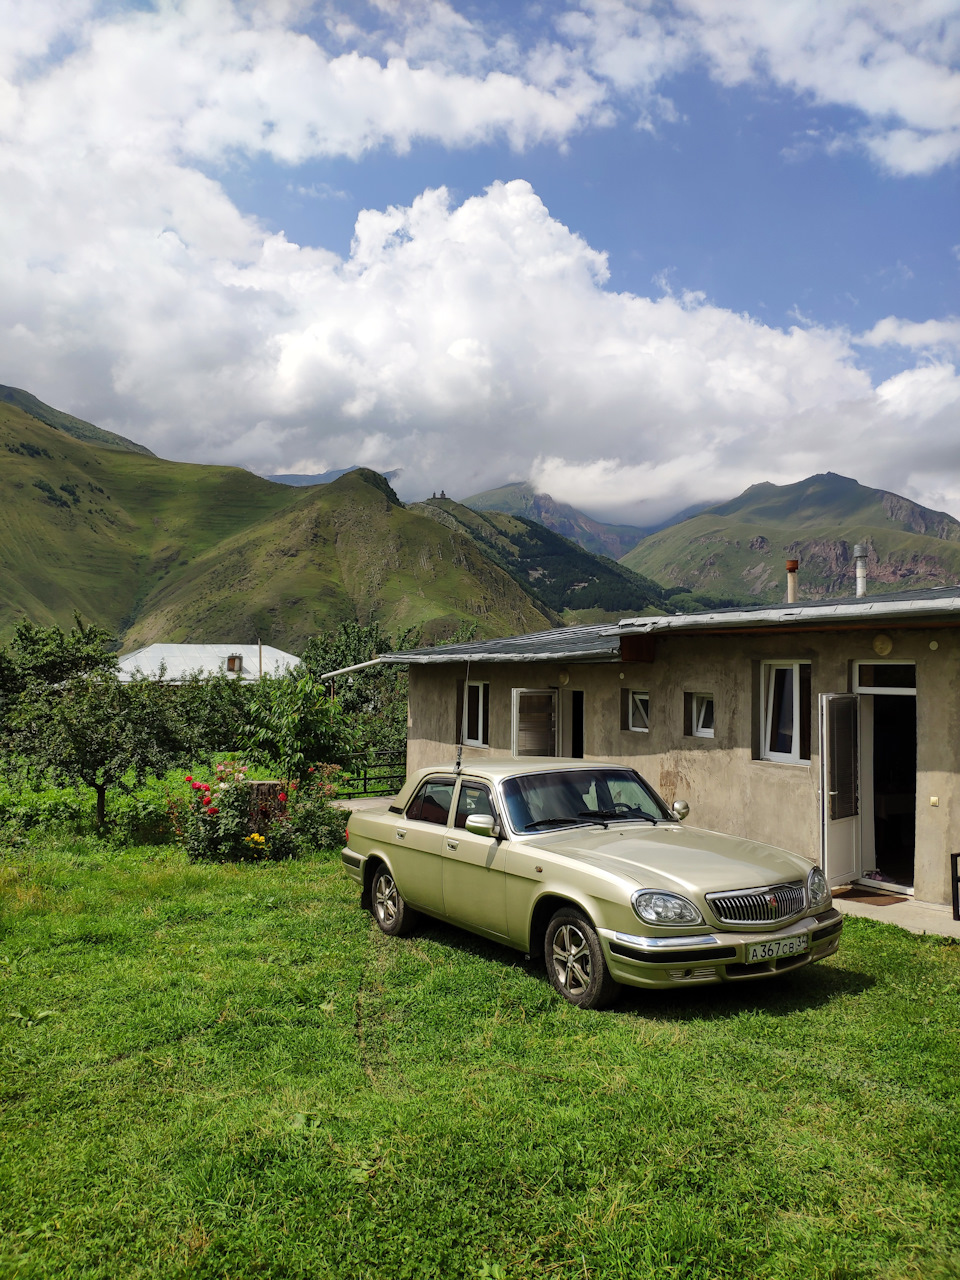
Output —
<point x="771" y="905"/>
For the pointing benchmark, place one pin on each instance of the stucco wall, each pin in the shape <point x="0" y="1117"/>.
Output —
<point x="727" y="788"/>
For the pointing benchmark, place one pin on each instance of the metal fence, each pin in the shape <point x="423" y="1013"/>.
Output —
<point x="379" y="773"/>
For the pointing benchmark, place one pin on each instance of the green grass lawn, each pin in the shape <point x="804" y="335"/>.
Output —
<point x="242" y="1077"/>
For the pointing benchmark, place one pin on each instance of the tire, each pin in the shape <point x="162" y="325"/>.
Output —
<point x="575" y="964"/>
<point x="390" y="911"/>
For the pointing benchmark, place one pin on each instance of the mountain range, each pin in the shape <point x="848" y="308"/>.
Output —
<point x="159" y="550"/>
<point x="737" y="550"/>
<point x="155" y="550"/>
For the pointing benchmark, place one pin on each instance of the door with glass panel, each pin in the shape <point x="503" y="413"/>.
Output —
<point x="839" y="787"/>
<point x="474" y="882"/>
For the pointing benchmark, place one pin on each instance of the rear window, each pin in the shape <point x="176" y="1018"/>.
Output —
<point x="432" y="801"/>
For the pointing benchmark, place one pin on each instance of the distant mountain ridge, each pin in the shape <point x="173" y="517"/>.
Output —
<point x="738" y="549"/>
<point x="66" y="422"/>
<point x="297" y="481"/>
<point x="521" y="499"/>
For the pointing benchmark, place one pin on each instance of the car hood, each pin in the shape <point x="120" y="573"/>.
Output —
<point x="683" y="859"/>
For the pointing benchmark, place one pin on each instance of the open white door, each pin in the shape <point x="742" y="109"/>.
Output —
<point x="839" y="787"/>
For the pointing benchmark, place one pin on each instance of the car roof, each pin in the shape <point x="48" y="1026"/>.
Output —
<point x="497" y="770"/>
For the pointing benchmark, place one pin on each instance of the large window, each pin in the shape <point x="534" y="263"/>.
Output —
<point x="785" y="712"/>
<point x="534" y="722"/>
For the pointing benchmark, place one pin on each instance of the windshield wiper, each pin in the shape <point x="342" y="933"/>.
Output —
<point x="553" y="822"/>
<point x="601" y="814"/>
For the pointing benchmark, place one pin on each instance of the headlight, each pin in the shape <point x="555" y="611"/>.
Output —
<point x="818" y="891"/>
<point x="665" y="908"/>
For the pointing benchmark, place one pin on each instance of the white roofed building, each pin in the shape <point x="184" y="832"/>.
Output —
<point x="178" y="662"/>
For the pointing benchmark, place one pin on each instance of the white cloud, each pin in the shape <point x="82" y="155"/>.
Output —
<point x="459" y="342"/>
<point x="893" y="63"/>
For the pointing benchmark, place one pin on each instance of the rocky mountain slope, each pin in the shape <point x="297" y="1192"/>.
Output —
<point x="738" y="549"/>
<point x="569" y="583"/>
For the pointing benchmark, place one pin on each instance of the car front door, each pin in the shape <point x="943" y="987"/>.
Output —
<point x="474" y="880"/>
<point x="419" y="844"/>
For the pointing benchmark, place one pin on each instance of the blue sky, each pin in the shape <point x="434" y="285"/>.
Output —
<point x="642" y="254"/>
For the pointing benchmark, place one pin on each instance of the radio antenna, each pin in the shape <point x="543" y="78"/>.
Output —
<point x="463" y="716"/>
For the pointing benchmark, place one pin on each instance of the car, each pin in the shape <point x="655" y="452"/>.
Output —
<point x="583" y="864"/>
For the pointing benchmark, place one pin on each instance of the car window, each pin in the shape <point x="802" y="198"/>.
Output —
<point x="570" y="796"/>
<point x="474" y="799"/>
<point x="432" y="802"/>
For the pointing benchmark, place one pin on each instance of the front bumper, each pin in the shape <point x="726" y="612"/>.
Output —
<point x="715" y="957"/>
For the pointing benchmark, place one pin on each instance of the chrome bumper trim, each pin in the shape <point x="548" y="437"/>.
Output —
<point x="652" y="944"/>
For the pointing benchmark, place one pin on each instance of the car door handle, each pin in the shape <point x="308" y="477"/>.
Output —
<point x="401" y="835"/>
<point x="453" y="844"/>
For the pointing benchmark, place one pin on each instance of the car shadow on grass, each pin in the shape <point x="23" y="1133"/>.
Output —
<point x="810" y="987"/>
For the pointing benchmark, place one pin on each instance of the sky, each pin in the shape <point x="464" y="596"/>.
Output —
<point x="640" y="253"/>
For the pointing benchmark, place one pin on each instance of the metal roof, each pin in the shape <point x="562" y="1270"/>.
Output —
<point x="562" y="644"/>
<point x="890" y="608"/>
<point x="601" y="642"/>
<point x="180" y="661"/>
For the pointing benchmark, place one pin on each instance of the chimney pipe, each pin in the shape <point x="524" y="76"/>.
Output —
<point x="860" y="556"/>
<point x="792" y="567"/>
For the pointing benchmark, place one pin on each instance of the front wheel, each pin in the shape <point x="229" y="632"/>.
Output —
<point x="575" y="964"/>
<point x="390" y="911"/>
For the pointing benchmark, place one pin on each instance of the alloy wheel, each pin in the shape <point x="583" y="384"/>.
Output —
<point x="571" y="959"/>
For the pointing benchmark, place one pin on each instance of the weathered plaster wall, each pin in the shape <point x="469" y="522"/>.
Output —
<point x="727" y="788"/>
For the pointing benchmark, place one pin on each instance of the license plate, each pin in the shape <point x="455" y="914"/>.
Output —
<point x="778" y="947"/>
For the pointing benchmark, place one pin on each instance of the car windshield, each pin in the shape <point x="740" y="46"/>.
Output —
<point x="568" y="797"/>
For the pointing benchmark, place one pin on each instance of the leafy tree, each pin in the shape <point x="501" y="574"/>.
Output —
<point x="49" y="655"/>
<point x="208" y="713"/>
<point x="374" y="700"/>
<point x="293" y="724"/>
<point x="93" y="729"/>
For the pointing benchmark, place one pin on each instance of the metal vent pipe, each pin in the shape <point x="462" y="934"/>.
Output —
<point x="792" y="567"/>
<point x="860" y="552"/>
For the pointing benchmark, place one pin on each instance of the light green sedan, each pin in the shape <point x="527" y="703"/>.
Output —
<point x="585" y="865"/>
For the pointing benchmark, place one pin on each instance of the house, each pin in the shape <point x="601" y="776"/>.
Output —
<point x="831" y="728"/>
<point x="179" y="661"/>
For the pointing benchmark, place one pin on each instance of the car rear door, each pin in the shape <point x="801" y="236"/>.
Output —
<point x="419" y="842"/>
<point x="474" y="879"/>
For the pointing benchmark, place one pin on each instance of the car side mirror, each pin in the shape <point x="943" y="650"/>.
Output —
<point x="481" y="824"/>
<point x="681" y="810"/>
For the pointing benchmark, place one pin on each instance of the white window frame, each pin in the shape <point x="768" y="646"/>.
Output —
<point x="482" y="720"/>
<point x="766" y="711"/>
<point x="873" y="688"/>
<point x="515" y="718"/>
<point x="698" y="710"/>
<point x="644" y="711"/>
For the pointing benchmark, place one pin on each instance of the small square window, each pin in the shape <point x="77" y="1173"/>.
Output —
<point x="702" y="715"/>
<point x="235" y="662"/>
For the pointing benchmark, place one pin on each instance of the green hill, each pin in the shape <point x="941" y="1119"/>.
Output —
<point x="176" y="551"/>
<point x="612" y="540"/>
<point x="569" y="582"/>
<point x="737" y="550"/>
<point x="67" y="423"/>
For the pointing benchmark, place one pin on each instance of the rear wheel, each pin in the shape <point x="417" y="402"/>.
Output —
<point x="575" y="964"/>
<point x="389" y="909"/>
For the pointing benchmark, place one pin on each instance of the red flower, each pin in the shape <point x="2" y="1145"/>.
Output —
<point x="204" y="786"/>
<point x="195" y="786"/>
<point x="311" y="769"/>
<point x="205" y="800"/>
<point x="188" y="778"/>
<point x="213" y="809"/>
<point x="282" y="796"/>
